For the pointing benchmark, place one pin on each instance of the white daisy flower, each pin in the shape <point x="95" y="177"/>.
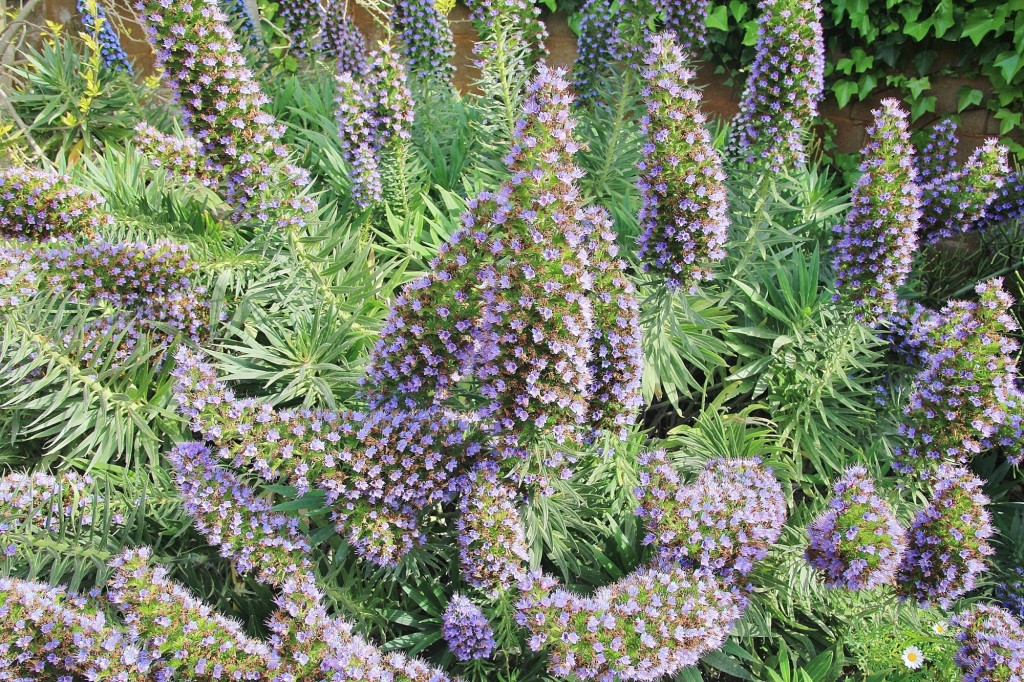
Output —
<point x="940" y="628"/>
<point x="913" y="658"/>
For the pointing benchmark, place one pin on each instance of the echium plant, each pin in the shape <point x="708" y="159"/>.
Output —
<point x="426" y="39"/>
<point x="784" y="87"/>
<point x="1007" y="205"/>
<point x="341" y="40"/>
<point x="954" y="198"/>
<point x="301" y="21"/>
<point x="96" y="22"/>
<point x="991" y="645"/>
<point x="375" y="115"/>
<point x="687" y="20"/>
<point x="947" y="542"/>
<point x="223" y="108"/>
<point x="521" y="16"/>
<point x="466" y="630"/>
<point x="682" y="604"/>
<point x="610" y="32"/>
<point x="875" y="248"/>
<point x="857" y="543"/>
<point x="38" y="206"/>
<point x="965" y="399"/>
<point x="685" y="215"/>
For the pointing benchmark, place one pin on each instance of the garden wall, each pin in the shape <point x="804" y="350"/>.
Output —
<point x="720" y="99"/>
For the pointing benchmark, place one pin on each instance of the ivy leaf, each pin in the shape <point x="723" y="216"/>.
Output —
<point x="718" y="18"/>
<point x="551" y="5"/>
<point x="738" y="9"/>
<point x="922" y="106"/>
<point x="1009" y="63"/>
<point x="942" y="19"/>
<point x="917" y="86"/>
<point x="844" y="90"/>
<point x="968" y="97"/>
<point x="1008" y="120"/>
<point x="750" y="37"/>
<point x="978" y="24"/>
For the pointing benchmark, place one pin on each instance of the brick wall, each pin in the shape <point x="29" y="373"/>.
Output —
<point x="719" y="99"/>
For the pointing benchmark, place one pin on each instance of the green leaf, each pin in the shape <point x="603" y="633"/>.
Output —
<point x="727" y="664"/>
<point x="978" y="24"/>
<point x="1008" y="120"/>
<point x="1010" y="63"/>
<point x="738" y="9"/>
<point x="718" y="18"/>
<point x="942" y="19"/>
<point x="845" y="90"/>
<point x="922" y="106"/>
<point x="968" y="97"/>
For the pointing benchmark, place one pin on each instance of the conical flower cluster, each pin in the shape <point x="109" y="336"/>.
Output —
<point x="522" y="16"/>
<point x="466" y="630"/>
<point x="224" y="109"/>
<point x="37" y="206"/>
<point x="95" y="20"/>
<point x="857" y="543"/>
<point x="875" y="249"/>
<point x="965" y="399"/>
<point x="426" y="39"/>
<point x="341" y="39"/>
<point x="685" y="216"/>
<point x="686" y="19"/>
<point x="784" y="87"/>
<point x="947" y="542"/>
<point x="375" y="114"/>
<point x="991" y="645"/>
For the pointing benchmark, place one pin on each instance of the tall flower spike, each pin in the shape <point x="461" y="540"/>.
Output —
<point x="951" y="203"/>
<point x="684" y="216"/>
<point x="947" y="543"/>
<point x="965" y="399"/>
<point x="426" y="38"/>
<point x="875" y="249"/>
<point x="938" y="158"/>
<point x="51" y="635"/>
<point x="375" y="114"/>
<point x="301" y="20"/>
<point x="186" y="637"/>
<point x="724" y="522"/>
<point x="652" y="623"/>
<point x="492" y="545"/>
<point x="607" y="31"/>
<point x="617" y="365"/>
<point x="991" y="645"/>
<point x="785" y="85"/>
<point x="40" y="205"/>
<point x="857" y="543"/>
<point x="522" y="16"/>
<point x="342" y="40"/>
<point x="466" y="630"/>
<point x="686" y="19"/>
<point x="223" y="108"/>
<point x="1007" y="205"/>
<point x="99" y="25"/>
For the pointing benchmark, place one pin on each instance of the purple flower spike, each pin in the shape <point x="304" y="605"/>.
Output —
<point x="785" y="86"/>
<point x="426" y="39"/>
<point x="467" y="630"/>
<point x="947" y="543"/>
<point x="857" y="543"/>
<point x="685" y="216"/>
<point x="40" y="206"/>
<point x="991" y="645"/>
<point x="875" y="249"/>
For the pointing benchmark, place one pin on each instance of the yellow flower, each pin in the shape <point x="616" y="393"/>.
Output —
<point x="913" y="658"/>
<point x="444" y="6"/>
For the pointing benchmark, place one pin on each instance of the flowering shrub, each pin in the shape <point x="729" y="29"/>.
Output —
<point x="875" y="251"/>
<point x="857" y="543"/>
<point x="375" y="111"/>
<point x="223" y="108"/>
<point x="965" y="399"/>
<point x="39" y="206"/>
<point x="947" y="542"/>
<point x="789" y="68"/>
<point x="685" y="214"/>
<point x="991" y="645"/>
<point x="467" y="631"/>
<point x="724" y="522"/>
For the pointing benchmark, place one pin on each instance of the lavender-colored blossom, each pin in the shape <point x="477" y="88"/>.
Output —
<point x="654" y="622"/>
<point x="182" y="157"/>
<point x="46" y="501"/>
<point x="375" y="115"/>
<point x="1007" y="206"/>
<point x="991" y="645"/>
<point x="40" y="205"/>
<point x="466" y="630"/>
<point x="687" y="20"/>
<point x="684" y="217"/>
<point x="857" y="543"/>
<point x="301" y="20"/>
<point x="224" y="109"/>
<point x="99" y="25"/>
<point x="724" y="522"/>
<point x="785" y="85"/>
<point x="965" y="399"/>
<point x="341" y="39"/>
<point x="492" y="545"/>
<point x="875" y="249"/>
<point x="52" y="635"/>
<point x="947" y="542"/>
<point x="617" y="354"/>
<point x="938" y="157"/>
<point x="951" y="203"/>
<point x="426" y="39"/>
